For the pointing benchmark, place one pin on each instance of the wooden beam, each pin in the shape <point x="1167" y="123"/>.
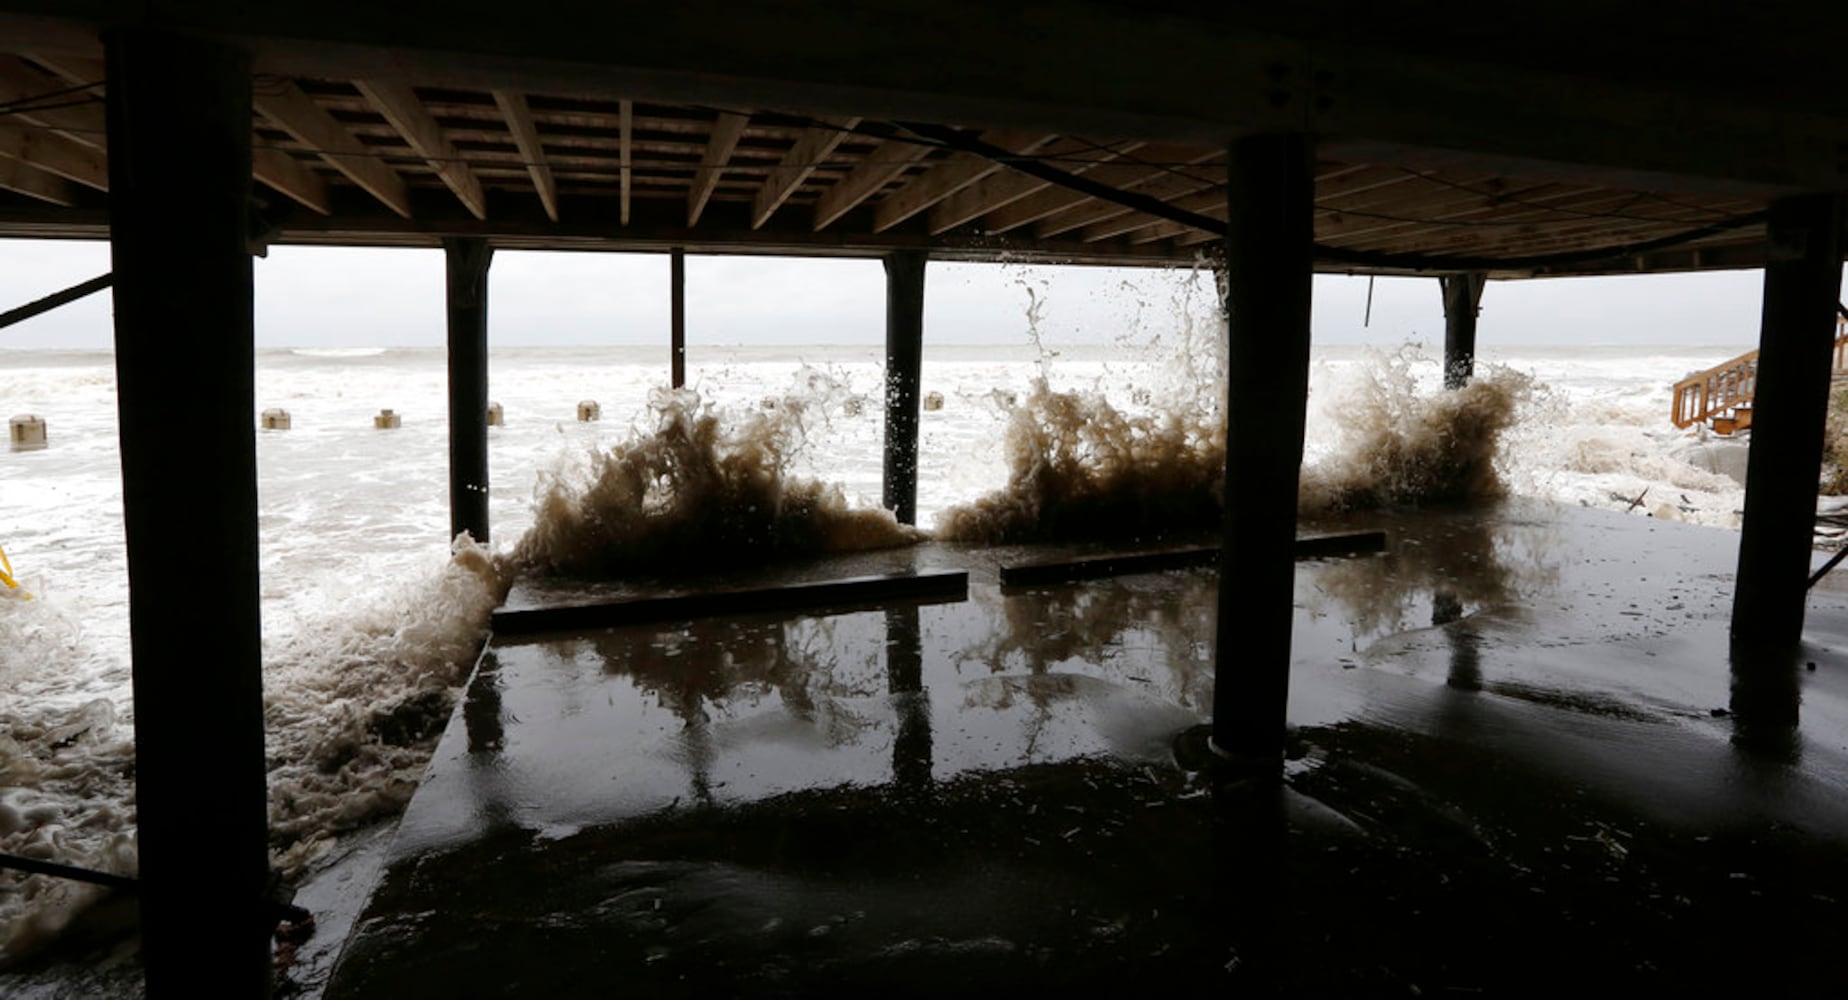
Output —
<point x="81" y="123"/>
<point x="1006" y="187"/>
<point x="54" y="154"/>
<point x="950" y="176"/>
<point x="726" y="132"/>
<point x="1126" y="176"/>
<point x="1205" y="201"/>
<point x="273" y="167"/>
<point x="297" y="114"/>
<point x="526" y="139"/>
<point x="887" y="160"/>
<point x="289" y="176"/>
<point x="813" y="147"/>
<point x="24" y="178"/>
<point x="627" y="114"/>
<point x="405" y="113"/>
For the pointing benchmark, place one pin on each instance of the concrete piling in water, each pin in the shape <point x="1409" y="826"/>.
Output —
<point x="387" y="420"/>
<point x="588" y="410"/>
<point x="497" y="417"/>
<point x="274" y="419"/>
<point x="27" y="432"/>
<point x="933" y="401"/>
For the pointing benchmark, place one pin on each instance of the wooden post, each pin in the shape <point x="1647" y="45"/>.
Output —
<point x="904" y="363"/>
<point x="178" y="225"/>
<point x="1269" y="250"/>
<point x="468" y="261"/>
<point x="1796" y="342"/>
<point x="677" y="296"/>
<point x="1462" y="304"/>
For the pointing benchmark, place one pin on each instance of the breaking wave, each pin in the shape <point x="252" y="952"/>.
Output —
<point x="696" y="490"/>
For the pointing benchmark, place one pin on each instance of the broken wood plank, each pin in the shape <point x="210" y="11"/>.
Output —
<point x="1162" y="560"/>
<point x="852" y="592"/>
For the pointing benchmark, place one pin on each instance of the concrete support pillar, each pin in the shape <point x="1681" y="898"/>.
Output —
<point x="904" y="362"/>
<point x="178" y="225"/>
<point x="1796" y="340"/>
<point x="1269" y="254"/>
<point x="677" y="309"/>
<point x="1462" y="304"/>
<point x="468" y="261"/>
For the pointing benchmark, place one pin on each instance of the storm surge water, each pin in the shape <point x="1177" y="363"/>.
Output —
<point x="696" y="491"/>
<point x="372" y="617"/>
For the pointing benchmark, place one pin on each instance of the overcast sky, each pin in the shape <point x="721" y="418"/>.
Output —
<point x="313" y="296"/>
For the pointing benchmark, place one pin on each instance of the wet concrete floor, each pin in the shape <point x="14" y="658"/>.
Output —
<point x="1522" y="761"/>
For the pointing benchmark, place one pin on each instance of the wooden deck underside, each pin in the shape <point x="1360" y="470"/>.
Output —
<point x="383" y="163"/>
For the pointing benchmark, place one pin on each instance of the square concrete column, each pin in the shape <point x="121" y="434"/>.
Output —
<point x="467" y="270"/>
<point x="1796" y="343"/>
<point x="179" y="126"/>
<point x="1269" y="256"/>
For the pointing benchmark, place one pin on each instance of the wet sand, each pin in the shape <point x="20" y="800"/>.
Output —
<point x="1522" y="762"/>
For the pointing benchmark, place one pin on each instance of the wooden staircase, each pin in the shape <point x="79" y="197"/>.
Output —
<point x="1722" y="395"/>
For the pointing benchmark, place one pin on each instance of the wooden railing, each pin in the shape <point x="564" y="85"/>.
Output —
<point x="1726" y="390"/>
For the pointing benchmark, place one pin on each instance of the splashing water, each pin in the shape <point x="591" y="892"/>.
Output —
<point x="696" y="490"/>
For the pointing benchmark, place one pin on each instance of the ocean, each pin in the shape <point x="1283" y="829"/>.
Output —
<point x="369" y="610"/>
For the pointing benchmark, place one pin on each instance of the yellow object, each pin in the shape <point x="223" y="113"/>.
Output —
<point x="6" y="576"/>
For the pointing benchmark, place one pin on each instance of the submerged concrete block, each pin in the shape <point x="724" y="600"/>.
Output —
<point x="588" y="410"/>
<point x="28" y="432"/>
<point x="933" y="401"/>
<point x="386" y="420"/>
<point x="275" y="419"/>
<point x="496" y="416"/>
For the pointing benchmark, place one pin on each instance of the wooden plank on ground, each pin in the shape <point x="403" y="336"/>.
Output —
<point x="1161" y="560"/>
<point x="852" y="592"/>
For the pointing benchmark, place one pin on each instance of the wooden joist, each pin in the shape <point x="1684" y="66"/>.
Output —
<point x="1152" y="162"/>
<point x="1002" y="189"/>
<point x="726" y="131"/>
<point x="405" y="113"/>
<point x="81" y="123"/>
<point x="815" y="145"/>
<point x="885" y="163"/>
<point x="297" y="114"/>
<point x="26" y="179"/>
<point x="952" y="175"/>
<point x="54" y="154"/>
<point x="519" y="118"/>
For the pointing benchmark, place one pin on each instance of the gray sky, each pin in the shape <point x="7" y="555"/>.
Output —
<point x="313" y="296"/>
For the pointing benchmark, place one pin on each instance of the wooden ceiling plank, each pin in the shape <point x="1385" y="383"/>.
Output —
<point x="297" y="114"/>
<point x="24" y="178"/>
<point x="519" y="119"/>
<point x="723" y="140"/>
<point x="815" y="145"/>
<point x="54" y="154"/>
<point x="406" y="113"/>
<point x="880" y="167"/>
<point x="625" y="127"/>
<point x="952" y="175"/>
<point x="1005" y="187"/>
